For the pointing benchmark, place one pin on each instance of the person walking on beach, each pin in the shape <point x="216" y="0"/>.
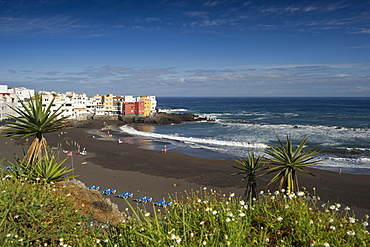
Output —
<point x="119" y="142"/>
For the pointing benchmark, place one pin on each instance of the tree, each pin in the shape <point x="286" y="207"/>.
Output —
<point x="250" y="167"/>
<point x="287" y="160"/>
<point x="34" y="120"/>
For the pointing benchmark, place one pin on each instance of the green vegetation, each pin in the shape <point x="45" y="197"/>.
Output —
<point x="250" y="167"/>
<point x="35" y="120"/>
<point x="45" y="214"/>
<point x="48" y="168"/>
<point x="287" y="160"/>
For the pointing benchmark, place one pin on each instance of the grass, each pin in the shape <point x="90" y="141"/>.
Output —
<point x="44" y="214"/>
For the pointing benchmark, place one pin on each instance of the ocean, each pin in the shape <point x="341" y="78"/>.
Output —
<point x="339" y="127"/>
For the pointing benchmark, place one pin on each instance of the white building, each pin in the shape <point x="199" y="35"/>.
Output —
<point x="73" y="105"/>
<point x="22" y="93"/>
<point x="12" y="97"/>
<point x="5" y="101"/>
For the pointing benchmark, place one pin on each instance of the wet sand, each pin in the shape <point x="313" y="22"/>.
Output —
<point x="128" y="168"/>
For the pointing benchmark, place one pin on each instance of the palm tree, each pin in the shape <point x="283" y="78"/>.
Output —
<point x="250" y="167"/>
<point x="34" y="120"/>
<point x="287" y="160"/>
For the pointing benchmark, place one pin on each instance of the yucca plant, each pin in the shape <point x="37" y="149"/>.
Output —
<point x="34" y="120"/>
<point x="287" y="160"/>
<point x="249" y="168"/>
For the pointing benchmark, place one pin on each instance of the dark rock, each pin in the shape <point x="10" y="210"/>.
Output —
<point x="156" y="119"/>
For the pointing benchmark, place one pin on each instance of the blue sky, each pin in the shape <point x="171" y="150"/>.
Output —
<point x="187" y="48"/>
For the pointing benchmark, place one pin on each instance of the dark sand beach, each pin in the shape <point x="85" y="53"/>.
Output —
<point x="128" y="168"/>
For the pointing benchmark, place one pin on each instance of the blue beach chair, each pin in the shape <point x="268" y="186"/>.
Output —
<point x="168" y="203"/>
<point x="147" y="199"/>
<point x="113" y="191"/>
<point x="159" y="203"/>
<point x="129" y="195"/>
<point x="139" y="199"/>
<point x="121" y="195"/>
<point x="93" y="187"/>
<point x="104" y="191"/>
<point x="8" y="168"/>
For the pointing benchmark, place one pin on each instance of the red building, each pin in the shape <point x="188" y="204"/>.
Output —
<point x="133" y="108"/>
<point x="139" y="108"/>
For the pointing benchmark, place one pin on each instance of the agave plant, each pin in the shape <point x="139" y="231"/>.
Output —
<point x="249" y="167"/>
<point x="51" y="169"/>
<point x="287" y="160"/>
<point x="34" y="120"/>
<point x="48" y="168"/>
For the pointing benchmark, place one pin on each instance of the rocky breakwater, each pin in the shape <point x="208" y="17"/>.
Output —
<point x="156" y="119"/>
<point x="163" y="118"/>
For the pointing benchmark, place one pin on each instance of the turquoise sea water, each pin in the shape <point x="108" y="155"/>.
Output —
<point x="340" y="127"/>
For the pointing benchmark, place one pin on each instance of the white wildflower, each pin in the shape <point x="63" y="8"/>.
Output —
<point x="300" y="193"/>
<point x="351" y="233"/>
<point x="178" y="239"/>
<point x="230" y="214"/>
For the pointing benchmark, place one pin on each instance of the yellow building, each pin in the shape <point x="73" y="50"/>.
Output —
<point x="108" y="104"/>
<point x="147" y="105"/>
